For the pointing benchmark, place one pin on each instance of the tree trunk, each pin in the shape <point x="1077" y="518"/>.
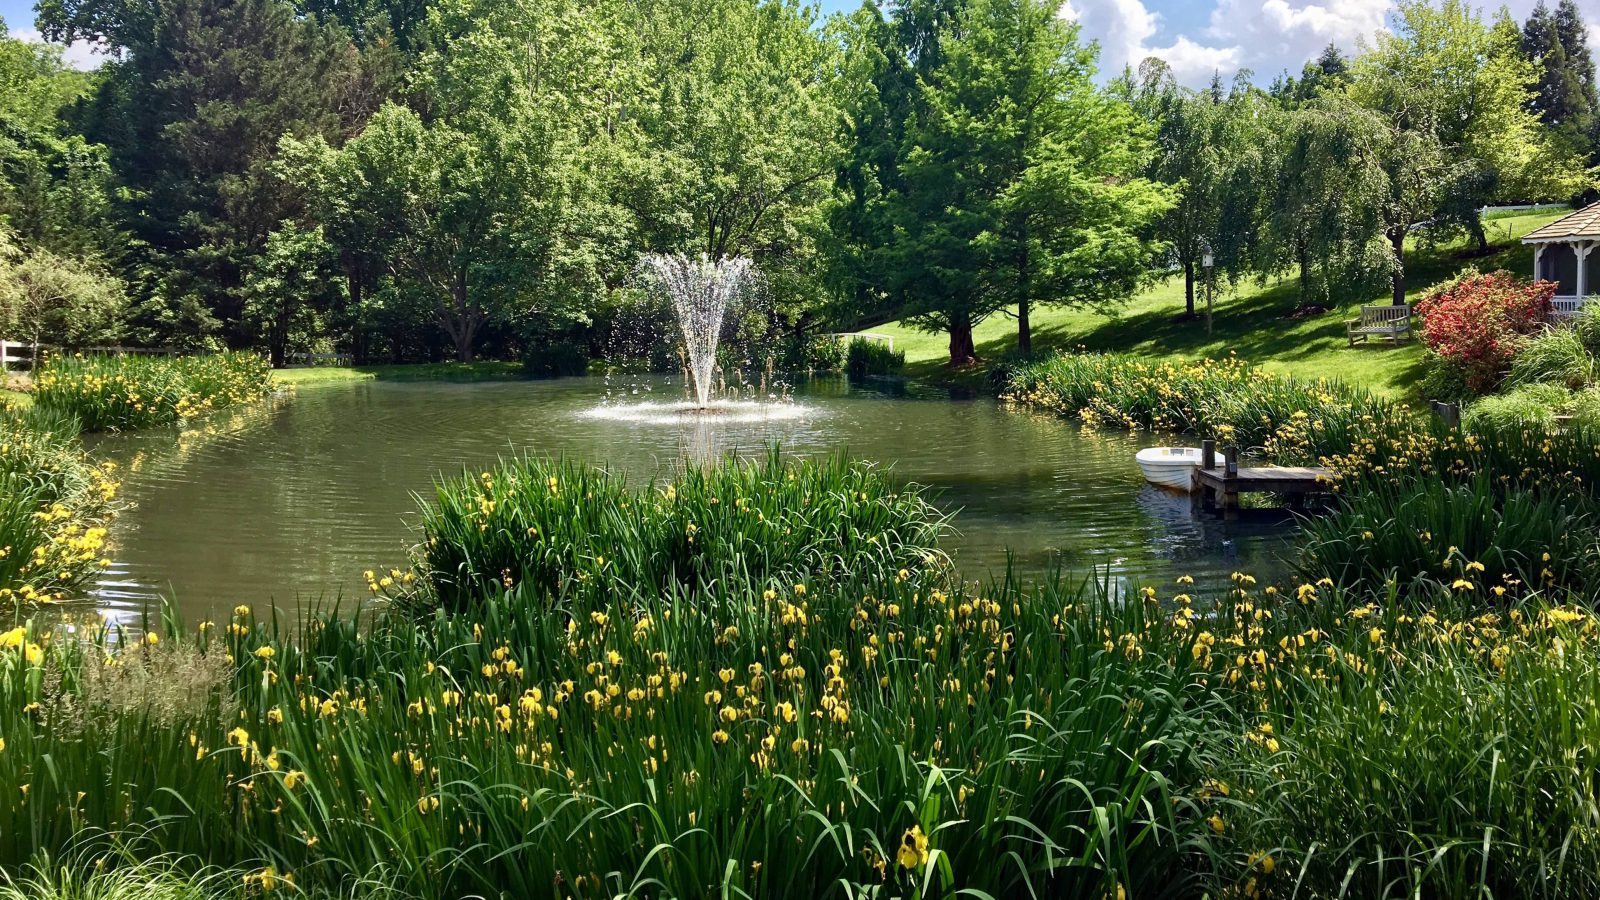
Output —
<point x="1188" y="289"/>
<point x="358" y="333"/>
<point x="468" y="321"/>
<point x="1479" y="234"/>
<point x="962" y="352"/>
<point x="1397" y="240"/>
<point x="1024" y="329"/>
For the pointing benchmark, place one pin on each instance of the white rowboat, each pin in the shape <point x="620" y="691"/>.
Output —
<point x="1170" y="467"/>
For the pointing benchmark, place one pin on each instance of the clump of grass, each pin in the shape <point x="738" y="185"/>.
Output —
<point x="1482" y="539"/>
<point x="109" y="393"/>
<point x="1444" y="754"/>
<point x="55" y="506"/>
<point x="866" y="357"/>
<point x="1533" y="404"/>
<point x="1285" y="419"/>
<point x="1556" y="356"/>
<point x="548" y="531"/>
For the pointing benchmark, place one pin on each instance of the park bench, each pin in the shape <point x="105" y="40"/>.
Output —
<point x="1391" y="321"/>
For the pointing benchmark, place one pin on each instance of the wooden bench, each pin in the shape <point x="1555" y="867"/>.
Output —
<point x="1391" y="321"/>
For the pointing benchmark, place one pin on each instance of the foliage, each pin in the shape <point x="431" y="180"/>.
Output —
<point x="1565" y="95"/>
<point x="1398" y="532"/>
<point x="62" y="300"/>
<point x="55" y="504"/>
<point x="1555" y="356"/>
<point x="1480" y="322"/>
<point x="990" y="174"/>
<point x="553" y="534"/>
<point x="1426" y="761"/>
<point x="879" y="729"/>
<point x="555" y="360"/>
<point x="1288" y="420"/>
<point x="865" y="356"/>
<point x="1532" y="405"/>
<point x="107" y="393"/>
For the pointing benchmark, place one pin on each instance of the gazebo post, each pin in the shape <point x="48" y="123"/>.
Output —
<point x="1581" y="249"/>
<point x="1538" y="254"/>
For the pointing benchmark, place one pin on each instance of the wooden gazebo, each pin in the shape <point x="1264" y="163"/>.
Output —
<point x="1567" y="252"/>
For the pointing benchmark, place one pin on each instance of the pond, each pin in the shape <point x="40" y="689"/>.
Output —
<point x="286" y="503"/>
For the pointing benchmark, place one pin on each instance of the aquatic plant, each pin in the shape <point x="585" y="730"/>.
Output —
<point x="55" y="506"/>
<point x="109" y="393"/>
<point x="1482" y="539"/>
<point x="865" y="357"/>
<point x="547" y="531"/>
<point x="1285" y="419"/>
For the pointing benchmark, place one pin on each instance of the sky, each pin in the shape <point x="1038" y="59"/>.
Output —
<point x="1196" y="37"/>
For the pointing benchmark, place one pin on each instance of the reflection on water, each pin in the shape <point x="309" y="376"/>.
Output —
<point x="289" y="501"/>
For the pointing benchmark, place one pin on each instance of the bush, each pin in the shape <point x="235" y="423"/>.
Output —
<point x="814" y="353"/>
<point x="1481" y="321"/>
<point x="1534" y="405"/>
<point x="1444" y="380"/>
<point x="107" y="393"/>
<point x="556" y="360"/>
<point x="866" y="357"/>
<point x="1556" y="356"/>
<point x="1474" y="535"/>
<point x="1586" y="325"/>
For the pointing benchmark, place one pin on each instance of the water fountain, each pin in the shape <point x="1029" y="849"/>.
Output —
<point x="705" y="296"/>
<point x="701" y="290"/>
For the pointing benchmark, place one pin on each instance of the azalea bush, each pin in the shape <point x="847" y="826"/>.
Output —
<point x="1478" y="322"/>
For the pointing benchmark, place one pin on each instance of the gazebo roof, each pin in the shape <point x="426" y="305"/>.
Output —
<point x="1580" y="226"/>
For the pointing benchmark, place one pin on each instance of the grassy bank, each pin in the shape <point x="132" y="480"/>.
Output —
<point x="1251" y="322"/>
<point x="488" y="370"/>
<point x="107" y="393"/>
<point x="55" y="506"/>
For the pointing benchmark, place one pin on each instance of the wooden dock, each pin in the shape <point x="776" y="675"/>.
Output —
<point x="1220" y="480"/>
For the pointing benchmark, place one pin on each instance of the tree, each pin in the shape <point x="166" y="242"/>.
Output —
<point x="1016" y="182"/>
<point x="1453" y="95"/>
<point x="288" y="291"/>
<point x="1557" y="44"/>
<point x="56" y="299"/>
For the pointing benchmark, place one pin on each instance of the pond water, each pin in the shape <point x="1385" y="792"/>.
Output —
<point x="286" y="503"/>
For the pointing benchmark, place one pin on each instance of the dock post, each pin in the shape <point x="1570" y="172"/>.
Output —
<point x="1230" y="497"/>
<point x="1208" y="454"/>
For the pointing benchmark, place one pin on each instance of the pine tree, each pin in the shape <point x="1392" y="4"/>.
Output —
<point x="1557" y="43"/>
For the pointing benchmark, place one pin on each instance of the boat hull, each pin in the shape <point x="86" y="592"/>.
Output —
<point x="1172" y="468"/>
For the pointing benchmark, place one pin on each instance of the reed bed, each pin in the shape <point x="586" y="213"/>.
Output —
<point x="111" y="393"/>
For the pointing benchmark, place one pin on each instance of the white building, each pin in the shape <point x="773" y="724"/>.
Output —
<point x="1567" y="251"/>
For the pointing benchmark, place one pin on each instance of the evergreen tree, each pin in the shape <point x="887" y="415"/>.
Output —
<point x="1564" y="97"/>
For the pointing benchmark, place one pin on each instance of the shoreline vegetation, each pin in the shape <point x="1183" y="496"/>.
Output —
<point x="765" y="678"/>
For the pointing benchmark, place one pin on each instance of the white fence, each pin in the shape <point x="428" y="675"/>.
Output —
<point x="19" y="355"/>
<point x="847" y="336"/>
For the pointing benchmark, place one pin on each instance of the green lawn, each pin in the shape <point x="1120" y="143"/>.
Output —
<point x="488" y="370"/>
<point x="1252" y="323"/>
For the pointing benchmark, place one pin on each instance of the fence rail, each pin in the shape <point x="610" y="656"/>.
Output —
<point x="26" y="355"/>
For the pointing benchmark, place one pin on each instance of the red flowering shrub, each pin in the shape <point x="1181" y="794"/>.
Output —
<point x="1478" y="322"/>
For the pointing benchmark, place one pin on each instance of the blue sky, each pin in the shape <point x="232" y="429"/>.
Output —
<point x="1197" y="37"/>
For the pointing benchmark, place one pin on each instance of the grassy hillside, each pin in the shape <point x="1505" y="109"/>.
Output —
<point x="1251" y="322"/>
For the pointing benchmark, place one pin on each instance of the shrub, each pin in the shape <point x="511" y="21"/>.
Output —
<point x="1444" y="380"/>
<point x="1481" y="321"/>
<point x="555" y="360"/>
<point x="1474" y="535"/>
<point x="108" y="393"/>
<point x="866" y="357"/>
<point x="1556" y="356"/>
<point x="1532" y="405"/>
<point x="1586" y="325"/>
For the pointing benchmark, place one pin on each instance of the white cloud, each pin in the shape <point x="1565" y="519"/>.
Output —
<point x="1125" y="28"/>
<point x="81" y="55"/>
<point x="1283" y="34"/>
